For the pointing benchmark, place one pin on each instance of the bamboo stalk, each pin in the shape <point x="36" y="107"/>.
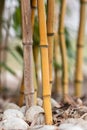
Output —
<point x="35" y="82"/>
<point x="27" y="46"/>
<point x="2" y="3"/>
<point x="80" y="44"/>
<point x="33" y="7"/>
<point x="63" y="47"/>
<point x="45" y="62"/>
<point x="50" y="36"/>
<point x="21" y="98"/>
<point x="58" y="87"/>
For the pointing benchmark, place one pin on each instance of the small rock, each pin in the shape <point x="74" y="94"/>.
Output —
<point x="39" y="102"/>
<point x="23" y="109"/>
<point x="13" y="123"/>
<point x="35" y="115"/>
<point x="45" y="127"/>
<point x="11" y="106"/>
<point x="12" y="113"/>
<point x="54" y="103"/>
<point x="69" y="126"/>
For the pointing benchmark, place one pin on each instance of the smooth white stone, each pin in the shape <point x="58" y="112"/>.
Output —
<point x="11" y="106"/>
<point x="69" y="126"/>
<point x="35" y="114"/>
<point x="14" y="123"/>
<point x="45" y="127"/>
<point x="12" y="113"/>
<point x="23" y="109"/>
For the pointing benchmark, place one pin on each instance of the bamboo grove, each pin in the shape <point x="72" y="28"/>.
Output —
<point x="47" y="36"/>
<point x="46" y="53"/>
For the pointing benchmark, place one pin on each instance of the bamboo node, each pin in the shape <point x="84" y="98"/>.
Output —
<point x="45" y="46"/>
<point x="26" y="94"/>
<point x="78" y="81"/>
<point x="50" y="34"/>
<point x="30" y="43"/>
<point x="51" y="81"/>
<point x="22" y="93"/>
<point x="46" y="95"/>
<point x="83" y="1"/>
<point x="33" y="7"/>
<point x="35" y="90"/>
<point x="80" y="46"/>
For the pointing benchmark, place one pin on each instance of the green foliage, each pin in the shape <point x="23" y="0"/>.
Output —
<point x="69" y="47"/>
<point x="17" y="22"/>
<point x="19" y="50"/>
<point x="57" y="66"/>
<point x="14" y="55"/>
<point x="3" y="65"/>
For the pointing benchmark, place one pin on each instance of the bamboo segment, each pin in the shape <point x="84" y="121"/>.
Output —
<point x="27" y="46"/>
<point x="63" y="47"/>
<point x="33" y="7"/>
<point x="21" y="98"/>
<point x="44" y="59"/>
<point x="50" y="35"/>
<point x="58" y="88"/>
<point x="80" y="44"/>
<point x="35" y="83"/>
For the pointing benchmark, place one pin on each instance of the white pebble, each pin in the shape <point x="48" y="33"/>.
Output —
<point x="39" y="102"/>
<point x="45" y="127"/>
<point x="12" y="113"/>
<point x="54" y="103"/>
<point x="14" y="123"/>
<point x="69" y="126"/>
<point x="23" y="109"/>
<point x="11" y="106"/>
<point x="35" y="114"/>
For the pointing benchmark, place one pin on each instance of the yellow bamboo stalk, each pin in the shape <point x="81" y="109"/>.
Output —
<point x="63" y="47"/>
<point x="45" y="64"/>
<point x="58" y="87"/>
<point x="27" y="46"/>
<point x="80" y="44"/>
<point x="33" y="7"/>
<point x="21" y="97"/>
<point x="50" y="36"/>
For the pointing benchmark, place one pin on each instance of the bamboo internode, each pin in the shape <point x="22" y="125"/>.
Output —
<point x="63" y="47"/>
<point x="80" y="45"/>
<point x="44" y="60"/>
<point x="50" y="34"/>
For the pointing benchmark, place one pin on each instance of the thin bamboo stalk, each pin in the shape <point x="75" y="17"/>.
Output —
<point x="58" y="87"/>
<point x="50" y="36"/>
<point x="80" y="44"/>
<point x="35" y="82"/>
<point x="63" y="47"/>
<point x="27" y="46"/>
<point x="33" y="7"/>
<point x="21" y="98"/>
<point x="45" y="62"/>
<point x="2" y="3"/>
